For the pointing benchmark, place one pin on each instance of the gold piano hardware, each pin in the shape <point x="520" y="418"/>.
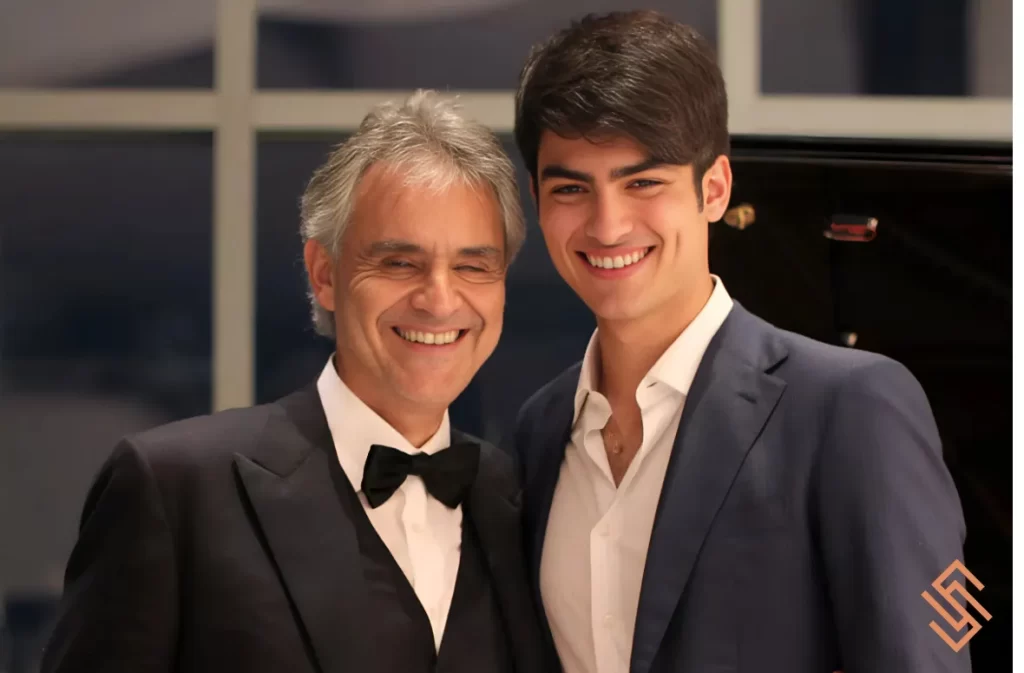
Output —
<point x="852" y="228"/>
<point x="740" y="217"/>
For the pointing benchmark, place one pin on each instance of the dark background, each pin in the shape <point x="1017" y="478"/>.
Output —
<point x="105" y="258"/>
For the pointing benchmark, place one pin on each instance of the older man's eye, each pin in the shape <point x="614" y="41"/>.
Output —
<point x="397" y="264"/>
<point x="470" y="267"/>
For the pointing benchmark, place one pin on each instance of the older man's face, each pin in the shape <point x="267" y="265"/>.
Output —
<point x="418" y="291"/>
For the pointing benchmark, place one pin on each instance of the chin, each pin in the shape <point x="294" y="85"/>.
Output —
<point x="615" y="308"/>
<point x="428" y="393"/>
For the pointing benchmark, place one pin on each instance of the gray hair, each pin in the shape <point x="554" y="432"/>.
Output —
<point x="428" y="138"/>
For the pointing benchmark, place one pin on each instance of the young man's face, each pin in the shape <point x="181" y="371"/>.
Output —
<point x="626" y="233"/>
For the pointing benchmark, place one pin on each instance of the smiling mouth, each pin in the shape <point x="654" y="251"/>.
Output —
<point x="431" y="338"/>
<point x="615" y="261"/>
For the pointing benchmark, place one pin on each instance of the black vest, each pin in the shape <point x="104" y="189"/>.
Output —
<point x="474" y="638"/>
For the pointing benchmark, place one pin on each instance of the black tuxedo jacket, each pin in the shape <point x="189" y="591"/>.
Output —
<point x="221" y="543"/>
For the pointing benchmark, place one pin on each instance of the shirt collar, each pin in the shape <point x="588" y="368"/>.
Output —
<point x="678" y="365"/>
<point x="588" y="377"/>
<point x="355" y="426"/>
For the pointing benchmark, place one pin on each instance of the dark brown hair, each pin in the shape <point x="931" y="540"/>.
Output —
<point x="636" y="74"/>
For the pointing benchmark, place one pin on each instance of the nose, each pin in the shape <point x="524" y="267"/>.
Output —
<point x="437" y="295"/>
<point x="610" y="221"/>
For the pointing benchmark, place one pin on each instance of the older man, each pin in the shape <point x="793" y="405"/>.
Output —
<point x="346" y="527"/>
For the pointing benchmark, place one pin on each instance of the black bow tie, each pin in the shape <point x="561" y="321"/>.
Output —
<point x="447" y="474"/>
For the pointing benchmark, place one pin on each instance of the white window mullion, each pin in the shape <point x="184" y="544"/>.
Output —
<point x="332" y="111"/>
<point x="234" y="222"/>
<point x="739" y="56"/>
<point x="915" y="117"/>
<point x="920" y="118"/>
<point x="103" y="110"/>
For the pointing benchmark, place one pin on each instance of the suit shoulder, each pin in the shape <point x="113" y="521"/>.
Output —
<point x="819" y="372"/>
<point x="831" y="363"/>
<point x="202" y="439"/>
<point x="554" y="391"/>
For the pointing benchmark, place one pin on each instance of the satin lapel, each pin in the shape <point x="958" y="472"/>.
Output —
<point x="493" y="507"/>
<point x="549" y="446"/>
<point x="729" y="403"/>
<point x="298" y="497"/>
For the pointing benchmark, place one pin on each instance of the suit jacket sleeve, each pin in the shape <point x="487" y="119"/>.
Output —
<point x="889" y="524"/>
<point x="119" y="608"/>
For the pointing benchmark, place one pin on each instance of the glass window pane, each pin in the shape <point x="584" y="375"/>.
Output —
<point x="115" y="43"/>
<point x="105" y="272"/>
<point x="546" y="327"/>
<point x="289" y="354"/>
<point x="886" y="47"/>
<point x="460" y="44"/>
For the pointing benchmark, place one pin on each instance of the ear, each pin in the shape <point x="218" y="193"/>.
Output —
<point x="717" y="186"/>
<point x="320" y="268"/>
<point x="533" y="190"/>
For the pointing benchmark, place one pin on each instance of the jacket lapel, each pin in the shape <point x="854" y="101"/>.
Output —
<point x="549" y="445"/>
<point x="543" y="489"/>
<point x="730" y="401"/>
<point x="297" y="491"/>
<point x="493" y="507"/>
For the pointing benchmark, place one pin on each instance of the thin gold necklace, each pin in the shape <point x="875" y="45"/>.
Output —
<point x="612" y="439"/>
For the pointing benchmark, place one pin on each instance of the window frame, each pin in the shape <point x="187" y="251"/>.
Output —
<point x="235" y="111"/>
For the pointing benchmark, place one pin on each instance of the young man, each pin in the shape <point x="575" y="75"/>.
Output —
<point x="346" y="527"/>
<point x="704" y="491"/>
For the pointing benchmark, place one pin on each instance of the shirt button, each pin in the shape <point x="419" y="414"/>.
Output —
<point x="608" y="620"/>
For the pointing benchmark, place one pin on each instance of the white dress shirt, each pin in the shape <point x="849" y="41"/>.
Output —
<point x="595" y="547"/>
<point x="423" y="535"/>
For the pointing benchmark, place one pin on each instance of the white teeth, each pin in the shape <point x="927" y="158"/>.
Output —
<point x="432" y="338"/>
<point x="617" y="262"/>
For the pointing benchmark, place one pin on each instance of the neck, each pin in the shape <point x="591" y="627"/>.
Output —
<point x="416" y="427"/>
<point x="629" y="348"/>
<point x="413" y="421"/>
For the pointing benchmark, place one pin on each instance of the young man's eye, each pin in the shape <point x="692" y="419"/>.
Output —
<point x="567" y="189"/>
<point x="644" y="182"/>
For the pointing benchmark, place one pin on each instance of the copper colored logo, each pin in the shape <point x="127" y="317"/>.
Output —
<point x="947" y="592"/>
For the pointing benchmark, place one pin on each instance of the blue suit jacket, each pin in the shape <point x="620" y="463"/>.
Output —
<point x="805" y="509"/>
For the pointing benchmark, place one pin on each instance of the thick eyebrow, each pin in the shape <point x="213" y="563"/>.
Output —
<point x="391" y="246"/>
<point x="559" y="171"/>
<point x="646" y="164"/>
<point x="480" y="251"/>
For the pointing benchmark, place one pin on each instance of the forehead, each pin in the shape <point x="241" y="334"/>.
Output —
<point x="388" y="205"/>
<point x="556" y="149"/>
<point x="602" y="160"/>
